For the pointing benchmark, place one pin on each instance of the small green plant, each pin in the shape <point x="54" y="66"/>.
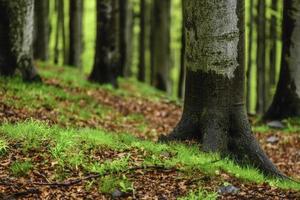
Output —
<point x="200" y="194"/>
<point x="20" y="168"/>
<point x="3" y="147"/>
<point x="111" y="183"/>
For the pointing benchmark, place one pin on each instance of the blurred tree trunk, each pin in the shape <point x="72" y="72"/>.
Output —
<point x="142" y="42"/>
<point x="41" y="30"/>
<point x="107" y="56"/>
<point x="273" y="41"/>
<point x="286" y="102"/>
<point x="182" y="67"/>
<point x="160" y="44"/>
<point x="126" y="32"/>
<point x="214" y="110"/>
<point x="249" y="64"/>
<point x="16" y="39"/>
<point x="60" y="29"/>
<point x="76" y="34"/>
<point x="261" y="57"/>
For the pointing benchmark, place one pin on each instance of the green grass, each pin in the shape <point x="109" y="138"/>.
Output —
<point x="20" y="168"/>
<point x="200" y="194"/>
<point x="108" y="184"/>
<point x="70" y="148"/>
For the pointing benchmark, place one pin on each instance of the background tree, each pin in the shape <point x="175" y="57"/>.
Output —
<point x="261" y="57"/>
<point x="76" y="34"/>
<point x="126" y="32"/>
<point x="41" y="30"/>
<point x="214" y="109"/>
<point x="142" y="42"/>
<point x="286" y="102"/>
<point x="182" y="67"/>
<point x="106" y="60"/>
<point x="16" y="38"/>
<point x="160" y="44"/>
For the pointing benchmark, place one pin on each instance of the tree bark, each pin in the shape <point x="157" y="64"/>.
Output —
<point x="16" y="36"/>
<point x="126" y="32"/>
<point x="142" y="42"/>
<point x="107" y="56"/>
<point x="261" y="57"/>
<point x="160" y="44"/>
<point x="76" y="34"/>
<point x="214" y="109"/>
<point x="286" y="102"/>
<point x="42" y="30"/>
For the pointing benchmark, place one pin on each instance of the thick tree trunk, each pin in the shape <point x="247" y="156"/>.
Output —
<point x="126" y="32"/>
<point x="249" y="64"/>
<point x="76" y="34"/>
<point x="142" y="42"/>
<point x="106" y="61"/>
<point x="214" y="110"/>
<point x="42" y="30"/>
<point x="16" y="36"/>
<point x="286" y="102"/>
<point x="182" y="67"/>
<point x="160" y="44"/>
<point x="261" y="57"/>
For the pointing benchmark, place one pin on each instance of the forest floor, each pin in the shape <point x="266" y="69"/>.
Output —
<point x="71" y="139"/>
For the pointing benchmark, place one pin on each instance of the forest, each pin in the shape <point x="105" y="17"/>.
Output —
<point x="150" y="99"/>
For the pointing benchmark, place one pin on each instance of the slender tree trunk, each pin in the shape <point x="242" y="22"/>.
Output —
<point x="42" y="30"/>
<point x="160" y="44"/>
<point x="273" y="41"/>
<point x="142" y="42"/>
<point x="63" y="30"/>
<point x="261" y="57"/>
<point x="286" y="102"/>
<point x="16" y="36"/>
<point x="249" y="77"/>
<point x="182" y="67"/>
<point x="57" y="30"/>
<point x="106" y="61"/>
<point x="214" y="109"/>
<point x="76" y="34"/>
<point x="126" y="32"/>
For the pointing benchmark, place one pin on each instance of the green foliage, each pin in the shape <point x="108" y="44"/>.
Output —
<point x="21" y="168"/>
<point x="200" y="194"/>
<point x="108" y="184"/>
<point x="3" y="147"/>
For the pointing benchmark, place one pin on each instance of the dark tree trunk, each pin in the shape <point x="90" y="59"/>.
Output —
<point x="16" y="39"/>
<point x="286" y="102"/>
<point x="106" y="61"/>
<point x="126" y="31"/>
<point x="142" y="42"/>
<point x="249" y="64"/>
<point x="182" y="67"/>
<point x="214" y="110"/>
<point x="42" y="30"/>
<point x="261" y="57"/>
<point x="160" y="44"/>
<point x="273" y="41"/>
<point x="57" y="31"/>
<point x="76" y="34"/>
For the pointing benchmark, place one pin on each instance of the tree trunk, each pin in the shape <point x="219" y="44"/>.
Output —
<point x="16" y="39"/>
<point x="42" y="30"/>
<point x="126" y="32"/>
<point x="57" y="31"/>
<point x="214" y="110"/>
<point x="273" y="41"/>
<point x="261" y="57"/>
<point x="76" y="34"/>
<point x="142" y="42"/>
<point x="106" y="60"/>
<point x="249" y="64"/>
<point x="160" y="44"/>
<point x="286" y="102"/>
<point x="182" y="67"/>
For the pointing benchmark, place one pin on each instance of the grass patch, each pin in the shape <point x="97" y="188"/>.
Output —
<point x="21" y="168"/>
<point x="200" y="194"/>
